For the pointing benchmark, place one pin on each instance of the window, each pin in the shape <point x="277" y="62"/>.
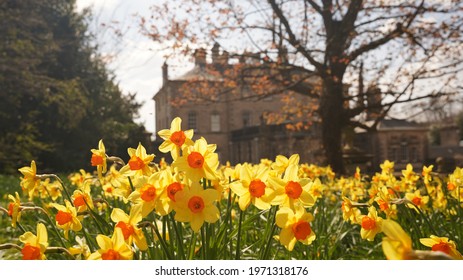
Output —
<point x="404" y="152"/>
<point x="414" y="154"/>
<point x="192" y="120"/>
<point x="215" y="122"/>
<point x="246" y="116"/>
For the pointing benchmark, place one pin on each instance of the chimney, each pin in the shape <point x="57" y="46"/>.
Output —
<point x="165" y="73"/>
<point x="200" y="57"/>
<point x="223" y="59"/>
<point x="215" y="53"/>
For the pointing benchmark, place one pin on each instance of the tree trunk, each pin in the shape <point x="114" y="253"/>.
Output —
<point x="333" y="122"/>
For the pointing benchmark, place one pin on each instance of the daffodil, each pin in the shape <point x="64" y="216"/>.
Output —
<point x="66" y="218"/>
<point x="426" y="173"/>
<point x="387" y="167"/>
<point x="175" y="139"/>
<point x="349" y="211"/>
<point x="30" y="180"/>
<point x="442" y="244"/>
<point x="82" y="180"/>
<point x="397" y="244"/>
<point x="99" y="158"/>
<point x="370" y="224"/>
<point x="51" y="189"/>
<point x="418" y="200"/>
<point x="80" y="249"/>
<point x="252" y="187"/>
<point x="295" y="226"/>
<point x="14" y="210"/>
<point x="114" y="248"/>
<point x="116" y="184"/>
<point x="198" y="161"/>
<point x="157" y="193"/>
<point x="128" y="225"/>
<point x="82" y="200"/>
<point x="138" y="163"/>
<point x="291" y="190"/>
<point x="195" y="205"/>
<point x="35" y="245"/>
<point x="282" y="162"/>
<point x="383" y="199"/>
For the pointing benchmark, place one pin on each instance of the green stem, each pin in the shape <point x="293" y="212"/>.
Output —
<point x="238" y="240"/>
<point x="271" y="221"/>
<point x="163" y="242"/>
<point x="40" y="209"/>
<point x="178" y="237"/>
<point x="192" y="246"/>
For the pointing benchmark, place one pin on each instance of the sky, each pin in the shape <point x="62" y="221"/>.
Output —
<point x="136" y="66"/>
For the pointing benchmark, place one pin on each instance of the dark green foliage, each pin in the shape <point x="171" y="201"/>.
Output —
<point x="57" y="97"/>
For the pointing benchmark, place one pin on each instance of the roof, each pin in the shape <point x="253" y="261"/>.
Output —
<point x="399" y="124"/>
<point x="198" y="73"/>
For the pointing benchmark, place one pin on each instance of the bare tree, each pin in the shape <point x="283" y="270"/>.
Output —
<point x="408" y="50"/>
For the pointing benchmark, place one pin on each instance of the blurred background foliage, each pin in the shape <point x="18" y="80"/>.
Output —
<point x="57" y="97"/>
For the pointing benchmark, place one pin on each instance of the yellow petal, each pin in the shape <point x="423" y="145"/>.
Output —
<point x="196" y="223"/>
<point x="118" y="215"/>
<point x="104" y="242"/>
<point x="283" y="216"/>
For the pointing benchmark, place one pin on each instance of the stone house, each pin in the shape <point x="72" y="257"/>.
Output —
<point x="236" y="122"/>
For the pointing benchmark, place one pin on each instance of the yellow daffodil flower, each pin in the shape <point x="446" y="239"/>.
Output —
<point x="418" y="200"/>
<point x="175" y="139"/>
<point x="397" y="245"/>
<point x="138" y="163"/>
<point x="35" y="245"/>
<point x="195" y="205"/>
<point x="295" y="226"/>
<point x="157" y="193"/>
<point x="14" y="210"/>
<point x="350" y="212"/>
<point x="252" y="187"/>
<point x="80" y="249"/>
<point x="81" y="199"/>
<point x="114" y="248"/>
<point x="370" y="224"/>
<point x="282" y="162"/>
<point x="291" y="191"/>
<point x="198" y="161"/>
<point x="442" y="244"/>
<point x="128" y="225"/>
<point x="30" y="180"/>
<point x="66" y="218"/>
<point x="99" y="158"/>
